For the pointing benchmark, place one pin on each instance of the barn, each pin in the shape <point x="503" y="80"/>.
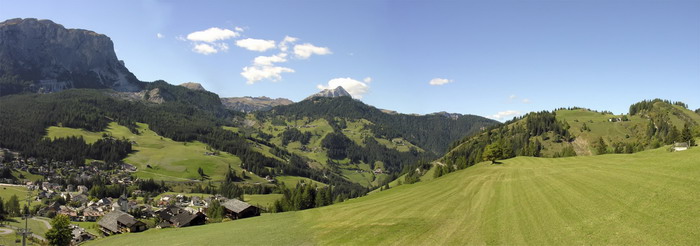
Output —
<point x="237" y="209"/>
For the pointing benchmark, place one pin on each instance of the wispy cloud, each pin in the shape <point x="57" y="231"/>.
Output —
<point x="304" y="51"/>
<point x="513" y="97"/>
<point x="212" y="35"/>
<point x="253" y="44"/>
<point x="439" y="81"/>
<point x="269" y="60"/>
<point x="204" y="49"/>
<point x="209" y="41"/>
<point x="500" y="116"/>
<point x="159" y="35"/>
<point x="254" y="74"/>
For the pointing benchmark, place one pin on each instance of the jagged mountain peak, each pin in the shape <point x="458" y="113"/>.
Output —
<point x="193" y="86"/>
<point x="336" y="92"/>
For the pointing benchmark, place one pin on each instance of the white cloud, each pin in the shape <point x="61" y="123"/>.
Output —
<point x="159" y="35"/>
<point x="268" y="60"/>
<point x="356" y="88"/>
<point x="367" y="80"/>
<point x="304" y="51"/>
<point x="505" y="115"/>
<point x="511" y="97"/>
<point x="440" y="81"/>
<point x="256" y="73"/>
<point x="238" y="29"/>
<point x="204" y="49"/>
<point x="526" y="100"/>
<point x="212" y="35"/>
<point x="256" y="44"/>
<point x="222" y="46"/>
<point x="287" y="40"/>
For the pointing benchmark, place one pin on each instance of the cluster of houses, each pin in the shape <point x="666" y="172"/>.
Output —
<point x="115" y="215"/>
<point x="173" y="211"/>
<point x="57" y="170"/>
<point x="123" y="215"/>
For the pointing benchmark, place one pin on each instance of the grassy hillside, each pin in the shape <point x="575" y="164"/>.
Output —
<point x="7" y="191"/>
<point x="356" y="130"/>
<point x="169" y="159"/>
<point x="647" y="198"/>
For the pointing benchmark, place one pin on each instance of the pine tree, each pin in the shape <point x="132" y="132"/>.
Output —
<point x="601" y="147"/>
<point x="687" y="136"/>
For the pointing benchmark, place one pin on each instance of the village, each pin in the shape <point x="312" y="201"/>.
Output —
<point x="57" y="191"/>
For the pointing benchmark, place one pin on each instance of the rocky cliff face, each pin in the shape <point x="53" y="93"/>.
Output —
<point x="250" y="104"/>
<point x="337" y="92"/>
<point x="49" y="57"/>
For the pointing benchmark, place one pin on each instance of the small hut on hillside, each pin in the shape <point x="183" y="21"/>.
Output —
<point x="237" y="209"/>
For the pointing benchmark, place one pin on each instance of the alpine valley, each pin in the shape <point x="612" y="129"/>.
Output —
<point x="86" y="139"/>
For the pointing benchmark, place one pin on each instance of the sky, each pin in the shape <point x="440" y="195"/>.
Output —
<point x="497" y="59"/>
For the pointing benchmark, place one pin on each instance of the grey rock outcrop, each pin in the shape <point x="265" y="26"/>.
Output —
<point x="250" y="104"/>
<point x="53" y="58"/>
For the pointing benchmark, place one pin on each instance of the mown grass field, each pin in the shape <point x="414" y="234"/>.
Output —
<point x="265" y="200"/>
<point x="647" y="198"/>
<point x="6" y="191"/>
<point x="292" y="181"/>
<point x="169" y="160"/>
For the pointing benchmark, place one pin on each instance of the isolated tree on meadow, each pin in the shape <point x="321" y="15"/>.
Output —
<point x="493" y="152"/>
<point x="60" y="232"/>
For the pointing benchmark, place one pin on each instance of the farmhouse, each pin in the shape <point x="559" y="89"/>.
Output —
<point x="177" y="217"/>
<point x="236" y="209"/>
<point x="119" y="222"/>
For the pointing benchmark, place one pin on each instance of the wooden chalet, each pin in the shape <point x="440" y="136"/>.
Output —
<point x="178" y="217"/>
<point x="119" y="222"/>
<point x="237" y="209"/>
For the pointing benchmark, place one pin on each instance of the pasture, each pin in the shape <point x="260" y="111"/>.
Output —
<point x="647" y="198"/>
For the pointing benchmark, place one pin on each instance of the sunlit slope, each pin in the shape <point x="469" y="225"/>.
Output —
<point x="169" y="160"/>
<point x="647" y="198"/>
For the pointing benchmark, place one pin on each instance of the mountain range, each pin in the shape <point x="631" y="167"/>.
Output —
<point x="329" y="136"/>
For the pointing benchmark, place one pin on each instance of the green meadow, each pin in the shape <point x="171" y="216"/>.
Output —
<point x="168" y="159"/>
<point x="264" y="200"/>
<point x="647" y="198"/>
<point x="7" y="191"/>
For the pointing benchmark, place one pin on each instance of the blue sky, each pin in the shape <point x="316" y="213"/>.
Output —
<point x="489" y="58"/>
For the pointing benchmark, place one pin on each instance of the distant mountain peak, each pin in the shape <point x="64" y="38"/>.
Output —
<point x="193" y="86"/>
<point x="337" y="92"/>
